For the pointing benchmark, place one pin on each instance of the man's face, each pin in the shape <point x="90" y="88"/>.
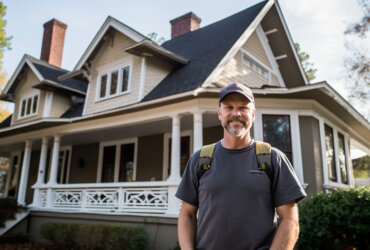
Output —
<point x="236" y="114"/>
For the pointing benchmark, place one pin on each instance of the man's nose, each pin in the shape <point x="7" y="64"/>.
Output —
<point x="236" y="112"/>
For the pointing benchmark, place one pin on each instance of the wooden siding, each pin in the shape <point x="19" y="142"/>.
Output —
<point x="254" y="47"/>
<point x="112" y="58"/>
<point x="156" y="71"/>
<point x="24" y="90"/>
<point x="60" y="104"/>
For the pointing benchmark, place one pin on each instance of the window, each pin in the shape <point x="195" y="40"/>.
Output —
<point x="113" y="83"/>
<point x="336" y="154"/>
<point x="276" y="131"/>
<point x="28" y="106"/>
<point x="255" y="66"/>
<point x="117" y="161"/>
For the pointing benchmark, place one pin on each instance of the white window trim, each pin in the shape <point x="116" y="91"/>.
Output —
<point x="261" y="64"/>
<point x="31" y="114"/>
<point x="65" y="148"/>
<point x="109" y="72"/>
<point x="166" y="142"/>
<point x="116" y="143"/>
<point x="328" y="183"/>
<point x="295" y="136"/>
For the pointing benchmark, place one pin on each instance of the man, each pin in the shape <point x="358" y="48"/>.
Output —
<point x="235" y="201"/>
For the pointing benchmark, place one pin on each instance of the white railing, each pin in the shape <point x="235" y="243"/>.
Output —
<point x="133" y="197"/>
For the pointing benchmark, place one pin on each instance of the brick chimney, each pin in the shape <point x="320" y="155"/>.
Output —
<point x="53" y="42"/>
<point x="184" y="24"/>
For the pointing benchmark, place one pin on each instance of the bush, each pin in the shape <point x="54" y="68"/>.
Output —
<point x="336" y="220"/>
<point x="92" y="236"/>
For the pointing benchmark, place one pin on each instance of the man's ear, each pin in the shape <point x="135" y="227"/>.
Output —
<point x="219" y="112"/>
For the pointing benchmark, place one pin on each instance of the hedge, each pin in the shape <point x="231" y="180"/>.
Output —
<point x="94" y="236"/>
<point x="337" y="220"/>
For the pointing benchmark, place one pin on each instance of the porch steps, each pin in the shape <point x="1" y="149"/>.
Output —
<point x="19" y="216"/>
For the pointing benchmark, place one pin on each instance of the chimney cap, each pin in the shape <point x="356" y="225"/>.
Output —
<point x="57" y="22"/>
<point x="189" y="14"/>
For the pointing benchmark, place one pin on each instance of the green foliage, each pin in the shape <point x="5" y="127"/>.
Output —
<point x="94" y="236"/>
<point x="336" y="220"/>
<point x="307" y="66"/>
<point x="8" y="208"/>
<point x="154" y="37"/>
<point x="4" y="40"/>
<point x="361" y="167"/>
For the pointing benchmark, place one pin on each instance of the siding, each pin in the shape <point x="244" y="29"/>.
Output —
<point x="237" y="71"/>
<point x="24" y="90"/>
<point x="311" y="153"/>
<point x="89" y="155"/>
<point x="156" y="71"/>
<point x="60" y="104"/>
<point x="113" y="57"/>
<point x="150" y="158"/>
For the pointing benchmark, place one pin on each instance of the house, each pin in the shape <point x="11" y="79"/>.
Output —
<point x="108" y="141"/>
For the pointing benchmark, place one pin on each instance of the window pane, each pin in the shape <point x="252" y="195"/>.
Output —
<point x="126" y="168"/>
<point x="276" y="131"/>
<point x="29" y="104"/>
<point x="23" y="108"/>
<point x="34" y="106"/>
<point x="342" y="159"/>
<point x="109" y="156"/>
<point x="103" y="85"/>
<point x="330" y="156"/>
<point x="125" y="73"/>
<point x="114" y="82"/>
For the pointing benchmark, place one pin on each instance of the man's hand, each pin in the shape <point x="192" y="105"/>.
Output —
<point x="187" y="226"/>
<point x="288" y="230"/>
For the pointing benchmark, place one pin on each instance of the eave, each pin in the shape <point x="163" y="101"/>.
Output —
<point x="55" y="87"/>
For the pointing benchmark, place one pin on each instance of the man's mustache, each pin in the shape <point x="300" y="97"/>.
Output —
<point x="238" y="119"/>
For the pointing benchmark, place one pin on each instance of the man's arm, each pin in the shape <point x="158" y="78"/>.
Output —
<point x="187" y="225"/>
<point x="288" y="230"/>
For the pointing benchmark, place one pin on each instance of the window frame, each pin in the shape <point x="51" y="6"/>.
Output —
<point x="108" y="73"/>
<point x="255" y="65"/>
<point x="26" y="100"/>
<point x="117" y="144"/>
<point x="327" y="182"/>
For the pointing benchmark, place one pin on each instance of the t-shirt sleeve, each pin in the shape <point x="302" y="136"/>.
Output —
<point x="286" y="186"/>
<point x="188" y="188"/>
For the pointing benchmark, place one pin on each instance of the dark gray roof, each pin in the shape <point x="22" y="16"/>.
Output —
<point x="6" y="122"/>
<point x="52" y="73"/>
<point x="205" y="48"/>
<point x="75" y="111"/>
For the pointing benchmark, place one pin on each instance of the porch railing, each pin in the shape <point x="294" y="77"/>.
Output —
<point x="134" y="197"/>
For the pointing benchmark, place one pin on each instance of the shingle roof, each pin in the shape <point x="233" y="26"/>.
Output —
<point x="51" y="73"/>
<point x="6" y="122"/>
<point x="205" y="48"/>
<point x="73" y="112"/>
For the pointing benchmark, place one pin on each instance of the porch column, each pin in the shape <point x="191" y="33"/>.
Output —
<point x="24" y="174"/>
<point x="41" y="173"/>
<point x="175" y="150"/>
<point x="198" y="130"/>
<point x="54" y="161"/>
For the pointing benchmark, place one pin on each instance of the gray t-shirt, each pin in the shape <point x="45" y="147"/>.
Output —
<point x="236" y="209"/>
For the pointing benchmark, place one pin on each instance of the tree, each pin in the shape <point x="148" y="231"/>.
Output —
<point x="154" y="37"/>
<point x="358" y="64"/>
<point x="307" y="66"/>
<point x="4" y="45"/>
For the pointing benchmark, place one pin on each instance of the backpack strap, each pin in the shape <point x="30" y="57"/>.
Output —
<point x="263" y="154"/>
<point x="205" y="159"/>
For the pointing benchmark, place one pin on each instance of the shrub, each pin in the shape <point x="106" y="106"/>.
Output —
<point x="336" y="220"/>
<point x="93" y="236"/>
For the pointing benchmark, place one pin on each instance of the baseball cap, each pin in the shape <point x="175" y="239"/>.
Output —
<point x="237" y="88"/>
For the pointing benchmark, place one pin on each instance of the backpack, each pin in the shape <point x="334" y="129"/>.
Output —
<point x="263" y="154"/>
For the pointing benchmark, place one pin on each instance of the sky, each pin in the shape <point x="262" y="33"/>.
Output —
<point x="317" y="25"/>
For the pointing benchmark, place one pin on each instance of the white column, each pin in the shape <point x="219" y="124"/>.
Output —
<point x="24" y="174"/>
<point x="42" y="165"/>
<point x="198" y="130"/>
<point x="142" y="78"/>
<point x="54" y="161"/>
<point x="175" y="150"/>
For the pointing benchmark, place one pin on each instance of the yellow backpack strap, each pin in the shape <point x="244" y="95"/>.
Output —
<point x="205" y="159"/>
<point x="263" y="154"/>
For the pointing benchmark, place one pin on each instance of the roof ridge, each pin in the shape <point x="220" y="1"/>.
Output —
<point x="43" y="63"/>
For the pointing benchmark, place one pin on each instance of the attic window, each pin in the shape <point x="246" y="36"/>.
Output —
<point x="113" y="83"/>
<point x="255" y="66"/>
<point x="28" y="106"/>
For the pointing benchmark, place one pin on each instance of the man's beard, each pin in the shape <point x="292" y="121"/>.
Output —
<point x="238" y="131"/>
